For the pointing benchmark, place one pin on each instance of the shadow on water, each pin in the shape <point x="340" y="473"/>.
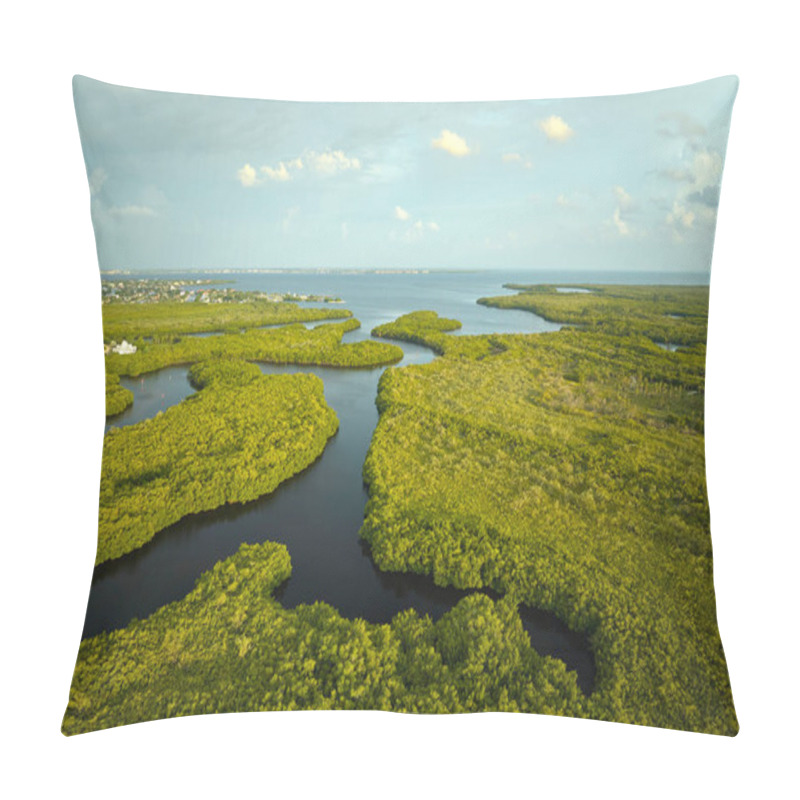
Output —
<point x="317" y="514"/>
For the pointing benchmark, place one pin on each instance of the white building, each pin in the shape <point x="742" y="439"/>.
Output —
<point x="124" y="349"/>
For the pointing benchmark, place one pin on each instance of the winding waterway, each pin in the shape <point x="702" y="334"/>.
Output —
<point x="317" y="514"/>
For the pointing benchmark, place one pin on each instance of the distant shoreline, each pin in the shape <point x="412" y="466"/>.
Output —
<point x="398" y="271"/>
<point x="280" y="271"/>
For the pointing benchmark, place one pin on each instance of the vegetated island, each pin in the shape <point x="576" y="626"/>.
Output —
<point x="667" y="315"/>
<point x="164" y="319"/>
<point x="425" y="328"/>
<point x="566" y="471"/>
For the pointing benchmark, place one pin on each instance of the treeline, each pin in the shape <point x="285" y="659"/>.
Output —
<point x="229" y="646"/>
<point x="294" y="344"/>
<point x="675" y="315"/>
<point x="566" y="471"/>
<point x="235" y="440"/>
<point x="139" y="320"/>
<point x="118" y="398"/>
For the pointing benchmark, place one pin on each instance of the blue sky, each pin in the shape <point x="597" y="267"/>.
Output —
<point x="192" y="182"/>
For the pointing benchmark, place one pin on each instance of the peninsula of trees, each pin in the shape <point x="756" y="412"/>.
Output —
<point x="133" y="321"/>
<point x="230" y="646"/>
<point x="239" y="437"/>
<point x="667" y="314"/>
<point x="291" y="344"/>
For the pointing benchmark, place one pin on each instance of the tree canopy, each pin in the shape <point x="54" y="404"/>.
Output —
<point x="293" y="344"/>
<point x="566" y="470"/>
<point x="230" y="646"/>
<point x="134" y="320"/>
<point x="563" y="470"/>
<point x="238" y="438"/>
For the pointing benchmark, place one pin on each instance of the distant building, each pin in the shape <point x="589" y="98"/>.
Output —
<point x="124" y="349"/>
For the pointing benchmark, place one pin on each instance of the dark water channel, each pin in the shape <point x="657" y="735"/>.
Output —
<point x="317" y="515"/>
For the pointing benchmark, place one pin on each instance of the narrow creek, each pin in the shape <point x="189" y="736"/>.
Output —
<point x="317" y="514"/>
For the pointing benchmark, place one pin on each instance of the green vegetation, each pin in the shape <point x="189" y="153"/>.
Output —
<point x="233" y="441"/>
<point x="293" y="344"/>
<point x="118" y="398"/>
<point x="134" y="321"/>
<point x="428" y="329"/>
<point x="668" y="314"/>
<point x="229" y="646"/>
<point x="223" y="371"/>
<point x="419" y="327"/>
<point x="566" y="471"/>
<point x="562" y="470"/>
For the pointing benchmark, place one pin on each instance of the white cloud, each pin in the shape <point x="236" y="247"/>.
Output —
<point x="681" y="216"/>
<point x="433" y="226"/>
<point x="622" y="227"/>
<point x="624" y="203"/>
<point x="331" y="161"/>
<point x="556" y="129"/>
<point x="706" y="170"/>
<point x="696" y="200"/>
<point x="246" y="175"/>
<point x="328" y="163"/>
<point x="401" y="213"/>
<point x="132" y="211"/>
<point x="451" y="143"/>
<point x="279" y="173"/>
<point x="563" y="201"/>
<point x="96" y="180"/>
